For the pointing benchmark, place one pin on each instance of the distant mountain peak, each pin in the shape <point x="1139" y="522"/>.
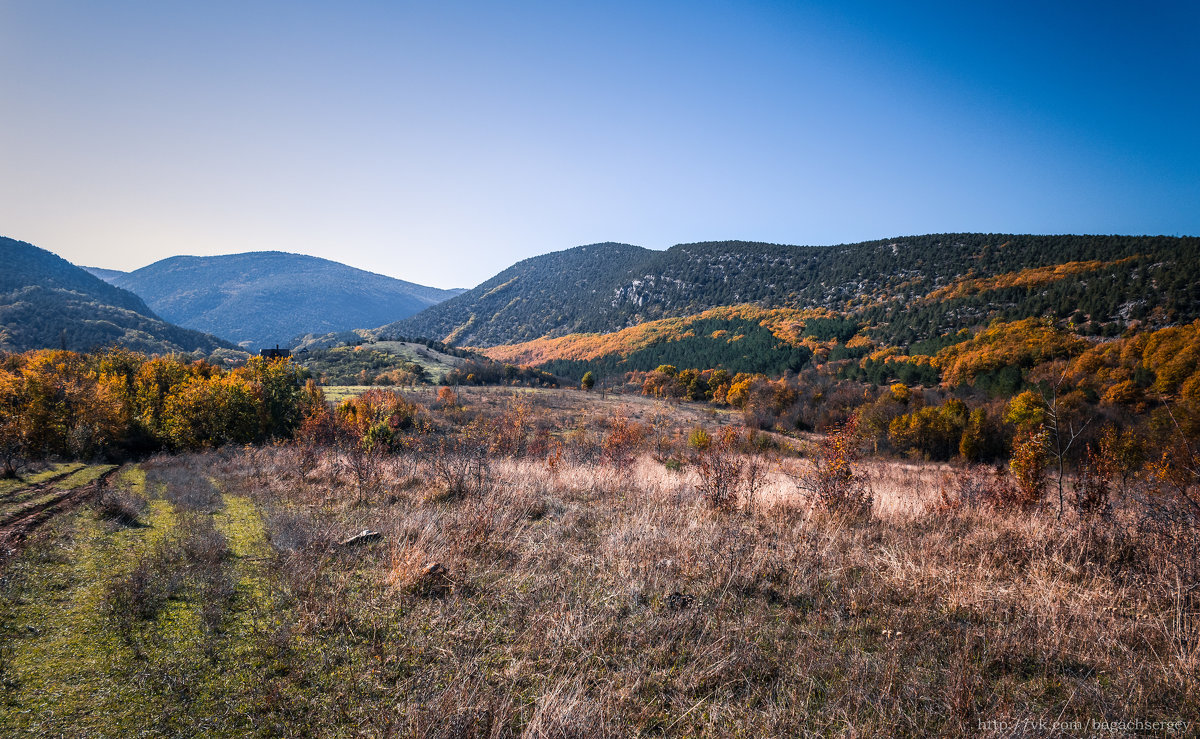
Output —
<point x="270" y="297"/>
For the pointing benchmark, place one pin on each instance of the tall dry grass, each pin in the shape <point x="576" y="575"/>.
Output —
<point x="591" y="589"/>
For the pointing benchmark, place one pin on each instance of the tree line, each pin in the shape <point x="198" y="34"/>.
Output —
<point x="118" y="403"/>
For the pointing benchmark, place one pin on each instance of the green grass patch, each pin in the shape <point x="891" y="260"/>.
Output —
<point x="194" y="668"/>
<point x="84" y="476"/>
<point x="31" y="496"/>
<point x="338" y="393"/>
<point x="10" y="486"/>
<point x="68" y="673"/>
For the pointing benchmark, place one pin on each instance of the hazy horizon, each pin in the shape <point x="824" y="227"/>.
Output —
<point x="439" y="145"/>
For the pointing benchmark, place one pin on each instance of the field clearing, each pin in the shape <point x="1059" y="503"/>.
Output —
<point x="343" y="363"/>
<point x="41" y="496"/>
<point x="563" y="577"/>
<point x="575" y="403"/>
<point x="61" y="469"/>
<point x="338" y="393"/>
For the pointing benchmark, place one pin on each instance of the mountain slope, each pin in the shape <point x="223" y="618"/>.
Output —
<point x="108" y="275"/>
<point x="560" y="292"/>
<point x="908" y="288"/>
<point x="46" y="302"/>
<point x="262" y="298"/>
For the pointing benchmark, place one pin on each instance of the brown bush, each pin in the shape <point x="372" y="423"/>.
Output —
<point x="971" y="486"/>
<point x="1028" y="466"/>
<point x="622" y="441"/>
<point x="834" y="479"/>
<point x="459" y="463"/>
<point x="727" y="474"/>
<point x="447" y="399"/>
<point x="1094" y="484"/>
<point x="1171" y="526"/>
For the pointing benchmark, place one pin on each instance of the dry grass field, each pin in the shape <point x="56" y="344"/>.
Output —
<point x="557" y="564"/>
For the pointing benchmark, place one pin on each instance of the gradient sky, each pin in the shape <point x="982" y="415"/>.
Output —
<point x="439" y="142"/>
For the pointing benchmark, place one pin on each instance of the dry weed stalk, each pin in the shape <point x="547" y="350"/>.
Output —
<point x="575" y="597"/>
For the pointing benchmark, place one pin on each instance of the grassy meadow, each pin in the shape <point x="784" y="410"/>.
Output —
<point x="555" y="563"/>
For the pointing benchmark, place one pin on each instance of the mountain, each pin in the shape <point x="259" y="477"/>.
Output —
<point x="907" y="289"/>
<point x="259" y="299"/>
<point x="562" y="292"/>
<point x="108" y="275"/>
<point x="47" y="302"/>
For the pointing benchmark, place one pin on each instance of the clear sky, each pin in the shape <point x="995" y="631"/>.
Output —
<point x="439" y="142"/>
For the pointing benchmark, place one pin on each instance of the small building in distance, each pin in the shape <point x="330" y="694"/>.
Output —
<point x="275" y="353"/>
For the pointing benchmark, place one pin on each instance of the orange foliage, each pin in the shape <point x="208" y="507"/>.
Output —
<point x="623" y="440"/>
<point x="1028" y="467"/>
<point x="447" y="398"/>
<point x="60" y="403"/>
<point x="834" y="478"/>
<point x="1166" y="362"/>
<point x="378" y="417"/>
<point x="1029" y="278"/>
<point x="786" y="324"/>
<point x="1023" y="343"/>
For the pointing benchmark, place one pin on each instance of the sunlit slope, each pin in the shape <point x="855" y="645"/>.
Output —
<point x="908" y="289"/>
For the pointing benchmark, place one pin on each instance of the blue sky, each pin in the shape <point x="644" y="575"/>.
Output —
<point x="440" y="142"/>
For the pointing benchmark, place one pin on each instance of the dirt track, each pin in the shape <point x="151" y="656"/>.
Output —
<point x="23" y="510"/>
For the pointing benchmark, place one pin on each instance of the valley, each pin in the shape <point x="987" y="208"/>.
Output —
<point x="965" y="495"/>
<point x="599" y="370"/>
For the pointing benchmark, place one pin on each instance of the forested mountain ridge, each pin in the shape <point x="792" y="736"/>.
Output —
<point x="608" y="287"/>
<point x="561" y="292"/>
<point x="26" y="264"/>
<point x="262" y="298"/>
<point x="47" y="302"/>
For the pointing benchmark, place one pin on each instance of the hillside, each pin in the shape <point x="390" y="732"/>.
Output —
<point x="108" y="275"/>
<point x="45" y="301"/>
<point x="557" y="293"/>
<point x="907" y="289"/>
<point x="741" y="338"/>
<point x="379" y="363"/>
<point x="263" y="298"/>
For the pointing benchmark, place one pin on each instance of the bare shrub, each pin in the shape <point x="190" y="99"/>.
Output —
<point x="727" y="473"/>
<point x="1093" y="485"/>
<point x="970" y="487"/>
<point x="622" y="441"/>
<point x="195" y="557"/>
<point x="834" y="479"/>
<point x="1171" y="523"/>
<point x="206" y="558"/>
<point x="508" y="434"/>
<point x="362" y="465"/>
<point x="188" y="486"/>
<point x="459" y="464"/>
<point x="292" y="531"/>
<point x="308" y="457"/>
<point x="141" y="593"/>
<point x="552" y="452"/>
